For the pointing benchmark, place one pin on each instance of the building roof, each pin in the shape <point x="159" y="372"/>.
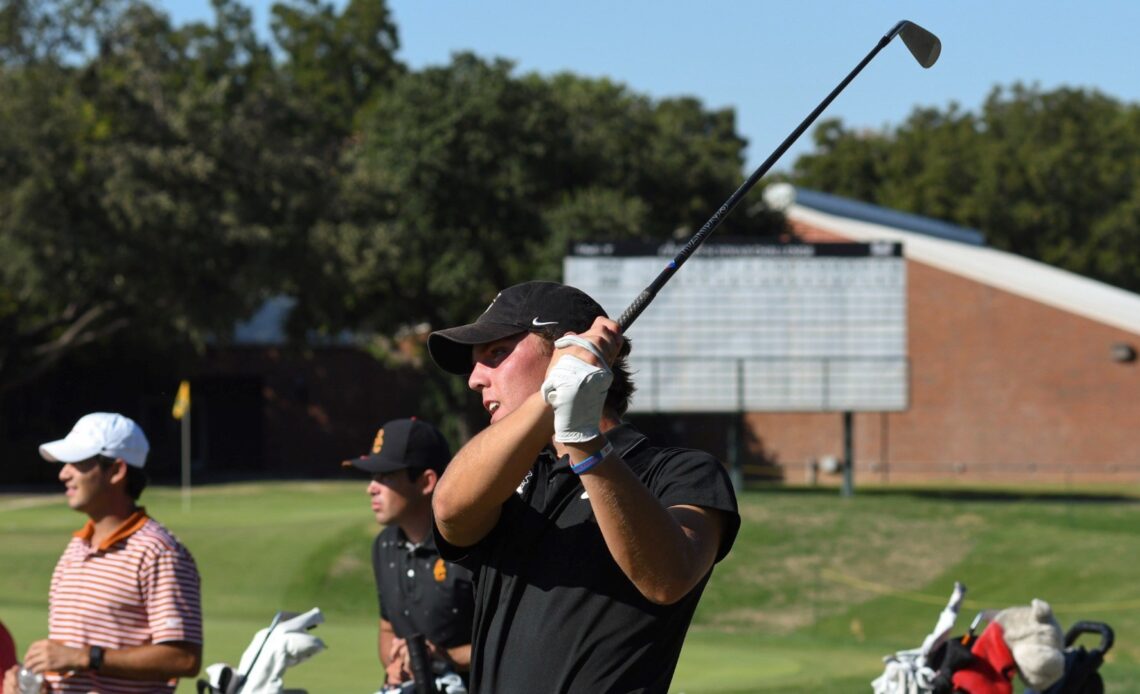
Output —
<point x="959" y="251"/>
<point x="776" y="195"/>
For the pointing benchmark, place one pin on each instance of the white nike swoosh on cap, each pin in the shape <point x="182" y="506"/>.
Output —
<point x="538" y="324"/>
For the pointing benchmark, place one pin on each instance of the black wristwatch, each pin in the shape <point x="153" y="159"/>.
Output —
<point x="96" y="655"/>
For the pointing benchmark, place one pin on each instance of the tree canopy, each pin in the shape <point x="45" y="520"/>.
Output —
<point x="147" y="188"/>
<point x="1051" y="175"/>
<point x="160" y="182"/>
<point x="467" y="179"/>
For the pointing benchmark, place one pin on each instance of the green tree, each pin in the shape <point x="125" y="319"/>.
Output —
<point x="334" y="61"/>
<point x="161" y="186"/>
<point x="161" y="182"/>
<point x="468" y="179"/>
<point x="1052" y="175"/>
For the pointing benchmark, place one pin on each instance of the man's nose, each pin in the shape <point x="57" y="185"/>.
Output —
<point x="478" y="380"/>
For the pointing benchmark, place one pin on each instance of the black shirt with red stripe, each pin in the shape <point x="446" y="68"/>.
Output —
<point x="553" y="611"/>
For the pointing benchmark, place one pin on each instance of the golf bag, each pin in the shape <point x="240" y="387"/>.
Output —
<point x="1082" y="666"/>
<point x="285" y="643"/>
<point x="914" y="671"/>
<point x="931" y="668"/>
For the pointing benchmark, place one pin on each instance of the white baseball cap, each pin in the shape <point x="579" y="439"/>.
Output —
<point x="100" y="433"/>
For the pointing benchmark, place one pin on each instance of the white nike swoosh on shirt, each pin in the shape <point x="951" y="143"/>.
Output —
<point x="538" y="324"/>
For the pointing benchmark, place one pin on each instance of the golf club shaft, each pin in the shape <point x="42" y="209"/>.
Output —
<point x="268" y="632"/>
<point x="647" y="295"/>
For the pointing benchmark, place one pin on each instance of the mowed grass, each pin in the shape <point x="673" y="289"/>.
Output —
<point x="815" y="592"/>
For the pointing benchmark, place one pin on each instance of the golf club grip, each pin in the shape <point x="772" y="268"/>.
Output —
<point x="630" y="314"/>
<point x="648" y="294"/>
<point x="421" y="664"/>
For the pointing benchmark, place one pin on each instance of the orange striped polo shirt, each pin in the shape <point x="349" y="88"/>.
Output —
<point x="138" y="587"/>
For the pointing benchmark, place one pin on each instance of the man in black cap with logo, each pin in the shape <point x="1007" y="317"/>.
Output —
<point x="590" y="546"/>
<point x="420" y="594"/>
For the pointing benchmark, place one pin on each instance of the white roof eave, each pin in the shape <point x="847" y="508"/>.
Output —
<point x="999" y="269"/>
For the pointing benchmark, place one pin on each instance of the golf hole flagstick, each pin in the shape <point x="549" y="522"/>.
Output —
<point x="923" y="45"/>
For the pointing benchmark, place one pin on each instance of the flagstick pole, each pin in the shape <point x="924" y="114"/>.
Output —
<point x="186" y="461"/>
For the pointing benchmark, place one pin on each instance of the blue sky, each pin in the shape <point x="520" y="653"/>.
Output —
<point x="774" y="61"/>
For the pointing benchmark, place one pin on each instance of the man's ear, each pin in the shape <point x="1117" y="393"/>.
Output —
<point x="428" y="480"/>
<point x="118" y="471"/>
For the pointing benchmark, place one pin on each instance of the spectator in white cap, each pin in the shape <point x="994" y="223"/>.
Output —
<point x="124" y="608"/>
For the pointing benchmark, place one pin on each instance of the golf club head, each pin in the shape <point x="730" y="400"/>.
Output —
<point x="923" y="45"/>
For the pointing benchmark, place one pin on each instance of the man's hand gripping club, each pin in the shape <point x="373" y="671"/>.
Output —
<point x="579" y="379"/>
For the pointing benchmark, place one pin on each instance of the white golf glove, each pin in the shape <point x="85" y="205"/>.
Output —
<point x="577" y="391"/>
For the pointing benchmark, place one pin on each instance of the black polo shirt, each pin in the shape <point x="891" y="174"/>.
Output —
<point x="419" y="592"/>
<point x="553" y="612"/>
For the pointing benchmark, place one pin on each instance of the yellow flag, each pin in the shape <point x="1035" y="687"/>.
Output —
<point x="181" y="401"/>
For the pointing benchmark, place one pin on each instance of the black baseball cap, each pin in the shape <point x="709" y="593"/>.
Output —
<point x="527" y="307"/>
<point x="405" y="443"/>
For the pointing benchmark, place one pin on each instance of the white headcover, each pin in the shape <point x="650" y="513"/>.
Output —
<point x="272" y="651"/>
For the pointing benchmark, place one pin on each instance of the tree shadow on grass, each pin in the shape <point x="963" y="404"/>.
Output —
<point x="965" y="494"/>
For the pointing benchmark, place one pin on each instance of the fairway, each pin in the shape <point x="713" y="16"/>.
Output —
<point x="815" y="592"/>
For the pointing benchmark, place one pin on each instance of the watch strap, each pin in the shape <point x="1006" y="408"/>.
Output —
<point x="96" y="655"/>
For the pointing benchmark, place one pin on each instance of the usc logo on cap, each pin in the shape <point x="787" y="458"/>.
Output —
<point x="439" y="571"/>
<point x="378" y="442"/>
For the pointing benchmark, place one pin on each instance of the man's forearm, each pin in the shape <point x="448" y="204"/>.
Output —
<point x="486" y="471"/>
<point x="664" y="552"/>
<point x="158" y="661"/>
<point x="460" y="657"/>
<point x="384" y="642"/>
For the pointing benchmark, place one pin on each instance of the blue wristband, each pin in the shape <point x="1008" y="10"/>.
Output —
<point x="593" y="460"/>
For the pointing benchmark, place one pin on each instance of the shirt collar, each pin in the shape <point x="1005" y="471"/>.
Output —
<point x="130" y="526"/>
<point x="625" y="439"/>
<point x="403" y="541"/>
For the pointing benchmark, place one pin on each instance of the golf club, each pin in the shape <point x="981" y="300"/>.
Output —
<point x="421" y="664"/>
<point x="923" y="45"/>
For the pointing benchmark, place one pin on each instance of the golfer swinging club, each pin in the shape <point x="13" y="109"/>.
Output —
<point x="590" y="546"/>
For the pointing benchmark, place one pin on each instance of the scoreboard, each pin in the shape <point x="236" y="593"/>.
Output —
<point x="748" y="326"/>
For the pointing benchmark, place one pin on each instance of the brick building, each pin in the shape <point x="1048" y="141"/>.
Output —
<point x="1019" y="371"/>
